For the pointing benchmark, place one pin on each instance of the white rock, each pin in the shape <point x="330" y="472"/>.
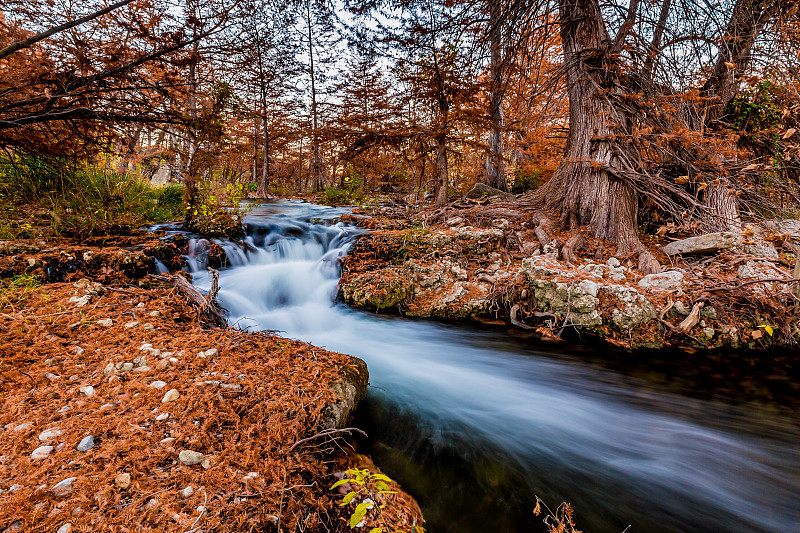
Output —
<point x="42" y="452"/>
<point x="168" y="440"/>
<point x="665" y="281"/>
<point x="132" y="324"/>
<point x="613" y="262"/>
<point x="50" y="434"/>
<point x="148" y="327"/>
<point x="86" y="444"/>
<point x="64" y="487"/>
<point x="140" y="305"/>
<point x="15" y="487"/>
<point x="173" y="360"/>
<point x="109" y="369"/>
<point x="171" y="396"/>
<point x="77" y="350"/>
<point x="158" y="384"/>
<point x="146" y="347"/>
<point x="87" y="390"/>
<point x="187" y="492"/>
<point x="126" y="367"/>
<point x="123" y="481"/>
<point x="105" y="322"/>
<point x="66" y="528"/>
<point x="23" y="427"/>
<point x="162" y="417"/>
<point x="142" y="369"/>
<point x="80" y="301"/>
<point x="154" y="313"/>
<point x="190" y="458"/>
<point x="51" y="376"/>
<point x="152" y="504"/>
<point x="213" y="352"/>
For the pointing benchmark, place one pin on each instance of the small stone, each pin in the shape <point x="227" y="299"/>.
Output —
<point x="154" y="313"/>
<point x="162" y="417"/>
<point x="51" y="376"/>
<point x="158" y="384"/>
<point x="152" y="504"/>
<point x="168" y="440"/>
<point x="42" y="452"/>
<point x="109" y="369"/>
<point x="22" y="427"/>
<point x="113" y="379"/>
<point x="201" y="509"/>
<point x="613" y="262"/>
<point x="190" y="458"/>
<point x="708" y="332"/>
<point x="132" y="324"/>
<point x="140" y="305"/>
<point x="50" y="434"/>
<point x="146" y="347"/>
<point x="140" y="361"/>
<point x="187" y="492"/>
<point x="107" y="406"/>
<point x="664" y="281"/>
<point x="17" y="525"/>
<point x="15" y="487"/>
<point x="162" y="364"/>
<point x="105" y="322"/>
<point x="171" y="396"/>
<point x="77" y="511"/>
<point x="77" y="350"/>
<point x="60" y="446"/>
<point x="64" y="487"/>
<point x="123" y="481"/>
<point x="206" y="464"/>
<point x="142" y="369"/>
<point x="148" y="327"/>
<point x="65" y="409"/>
<point x="66" y="528"/>
<point x="86" y="444"/>
<point x="126" y="367"/>
<point x="87" y="391"/>
<point x="173" y="360"/>
<point x="213" y="352"/>
<point x="50" y="361"/>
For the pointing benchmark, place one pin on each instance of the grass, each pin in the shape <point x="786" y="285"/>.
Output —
<point x="78" y="199"/>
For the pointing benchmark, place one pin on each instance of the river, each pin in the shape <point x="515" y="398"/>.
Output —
<point x="477" y="422"/>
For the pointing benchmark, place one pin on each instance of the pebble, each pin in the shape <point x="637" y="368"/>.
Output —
<point x="140" y="305"/>
<point x="60" y="446"/>
<point x="148" y="327"/>
<point x="126" y="367"/>
<point x="154" y="313"/>
<point x="189" y="457"/>
<point x="105" y="322"/>
<point x="15" y="526"/>
<point x="187" y="492"/>
<point x="613" y="262"/>
<point x="78" y="350"/>
<point x="158" y="384"/>
<point x="168" y="440"/>
<point x="162" y="364"/>
<point x="66" y="528"/>
<point x="51" y="433"/>
<point x="213" y="352"/>
<point x="132" y="324"/>
<point x="146" y="347"/>
<point x="87" y="391"/>
<point x="123" y="481"/>
<point x="63" y="487"/>
<point x="51" y="376"/>
<point x="15" y="487"/>
<point x="65" y="409"/>
<point x="140" y="361"/>
<point x="109" y="369"/>
<point x="42" y="452"/>
<point x="23" y="426"/>
<point x="86" y="444"/>
<point x="173" y="360"/>
<point x="152" y="504"/>
<point x="142" y="369"/>
<point x="171" y="396"/>
<point x="107" y="406"/>
<point x="162" y="417"/>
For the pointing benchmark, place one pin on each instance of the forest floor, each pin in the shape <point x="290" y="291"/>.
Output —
<point x="491" y="260"/>
<point x="122" y="411"/>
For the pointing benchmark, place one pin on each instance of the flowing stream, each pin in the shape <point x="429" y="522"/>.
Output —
<point x="477" y="422"/>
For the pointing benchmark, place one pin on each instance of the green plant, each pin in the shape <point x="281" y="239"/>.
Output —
<point x="17" y="288"/>
<point x="368" y="493"/>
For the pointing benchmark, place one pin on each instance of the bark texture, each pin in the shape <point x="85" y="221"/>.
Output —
<point x="495" y="167"/>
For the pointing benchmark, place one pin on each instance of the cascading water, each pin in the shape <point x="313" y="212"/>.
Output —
<point x="476" y="423"/>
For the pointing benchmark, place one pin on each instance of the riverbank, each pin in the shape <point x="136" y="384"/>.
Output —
<point x="122" y="410"/>
<point x="495" y="262"/>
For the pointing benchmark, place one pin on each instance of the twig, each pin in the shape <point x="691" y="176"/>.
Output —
<point x="742" y="284"/>
<point x="196" y="520"/>
<point x="325" y="433"/>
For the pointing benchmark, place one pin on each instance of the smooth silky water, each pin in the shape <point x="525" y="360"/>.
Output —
<point x="476" y="422"/>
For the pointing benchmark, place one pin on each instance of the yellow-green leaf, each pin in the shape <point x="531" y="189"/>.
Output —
<point x="341" y="482"/>
<point x="768" y="329"/>
<point x="359" y="514"/>
<point x="376" y="530"/>
<point x="348" y="498"/>
<point x="381" y="477"/>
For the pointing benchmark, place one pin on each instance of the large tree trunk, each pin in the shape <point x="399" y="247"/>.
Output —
<point x="495" y="168"/>
<point x="586" y="188"/>
<point x="316" y="165"/>
<point x="263" y="186"/>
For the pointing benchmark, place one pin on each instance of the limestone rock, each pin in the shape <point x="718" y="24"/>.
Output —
<point x="190" y="457"/>
<point x="481" y="190"/>
<point x="50" y="434"/>
<point x="123" y="480"/>
<point x="105" y="322"/>
<point x="171" y="396"/>
<point x="86" y="444"/>
<point x="42" y="452"/>
<point x="665" y="281"/>
<point x="703" y="244"/>
<point x="64" y="487"/>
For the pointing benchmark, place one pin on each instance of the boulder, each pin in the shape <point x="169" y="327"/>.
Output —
<point x="665" y="281"/>
<point x="703" y="244"/>
<point x="481" y="190"/>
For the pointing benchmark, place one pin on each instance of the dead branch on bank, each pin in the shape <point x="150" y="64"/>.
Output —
<point x="208" y="308"/>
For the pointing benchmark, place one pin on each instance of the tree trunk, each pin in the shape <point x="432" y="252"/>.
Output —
<point x="586" y="188"/>
<point x="263" y="186"/>
<point x="747" y="20"/>
<point x="495" y="168"/>
<point x="254" y="171"/>
<point x="316" y="164"/>
<point x="723" y="207"/>
<point x="441" y="167"/>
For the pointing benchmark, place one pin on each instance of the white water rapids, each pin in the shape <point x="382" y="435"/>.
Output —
<point x="476" y="423"/>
